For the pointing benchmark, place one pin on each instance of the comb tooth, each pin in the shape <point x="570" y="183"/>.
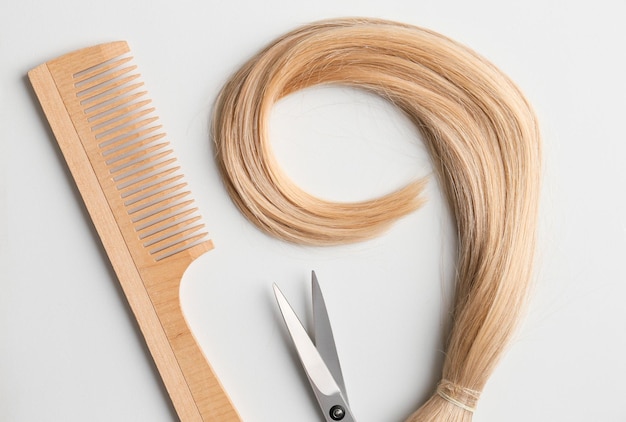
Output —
<point x="142" y="183"/>
<point x="168" y="231"/>
<point x="131" y="157"/>
<point x="150" y="210"/>
<point x="149" y="201"/>
<point x="172" y="239"/>
<point x="152" y="182"/>
<point x="136" y="157"/>
<point x="100" y="79"/>
<point x="123" y="132"/>
<point x="120" y="122"/>
<point x="141" y="169"/>
<point x="146" y="191"/>
<point x="104" y="100"/>
<point x="180" y="238"/>
<point x="179" y="247"/>
<point x="149" y="198"/>
<point x="172" y="228"/>
<point x="92" y="95"/>
<point x="113" y="113"/>
<point x="161" y="215"/>
<point x="165" y="223"/>
<point x="132" y="143"/>
<point x="101" y="112"/>
<point x="121" y="141"/>
<point x="147" y="174"/>
<point x="87" y="74"/>
<point x="134" y="168"/>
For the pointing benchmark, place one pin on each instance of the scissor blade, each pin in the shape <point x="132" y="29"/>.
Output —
<point x="328" y="394"/>
<point x="323" y="334"/>
<point x="319" y="375"/>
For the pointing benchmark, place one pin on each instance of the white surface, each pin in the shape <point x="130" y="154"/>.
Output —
<point x="69" y="347"/>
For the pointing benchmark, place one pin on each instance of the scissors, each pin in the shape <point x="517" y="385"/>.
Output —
<point x="319" y="359"/>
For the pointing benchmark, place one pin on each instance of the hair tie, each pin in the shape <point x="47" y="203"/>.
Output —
<point x="462" y="397"/>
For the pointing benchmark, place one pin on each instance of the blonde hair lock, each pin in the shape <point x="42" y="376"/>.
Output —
<point x="482" y="136"/>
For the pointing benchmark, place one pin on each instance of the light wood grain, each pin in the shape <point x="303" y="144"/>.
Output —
<point x="146" y="221"/>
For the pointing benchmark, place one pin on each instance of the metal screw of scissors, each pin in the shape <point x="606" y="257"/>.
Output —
<point x="337" y="412"/>
<point x="319" y="360"/>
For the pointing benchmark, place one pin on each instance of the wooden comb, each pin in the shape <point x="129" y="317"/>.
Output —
<point x="117" y="153"/>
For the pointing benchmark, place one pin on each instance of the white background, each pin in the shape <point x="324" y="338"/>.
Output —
<point x="69" y="347"/>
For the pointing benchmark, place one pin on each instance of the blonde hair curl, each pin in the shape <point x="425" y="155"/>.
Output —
<point x="484" y="141"/>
